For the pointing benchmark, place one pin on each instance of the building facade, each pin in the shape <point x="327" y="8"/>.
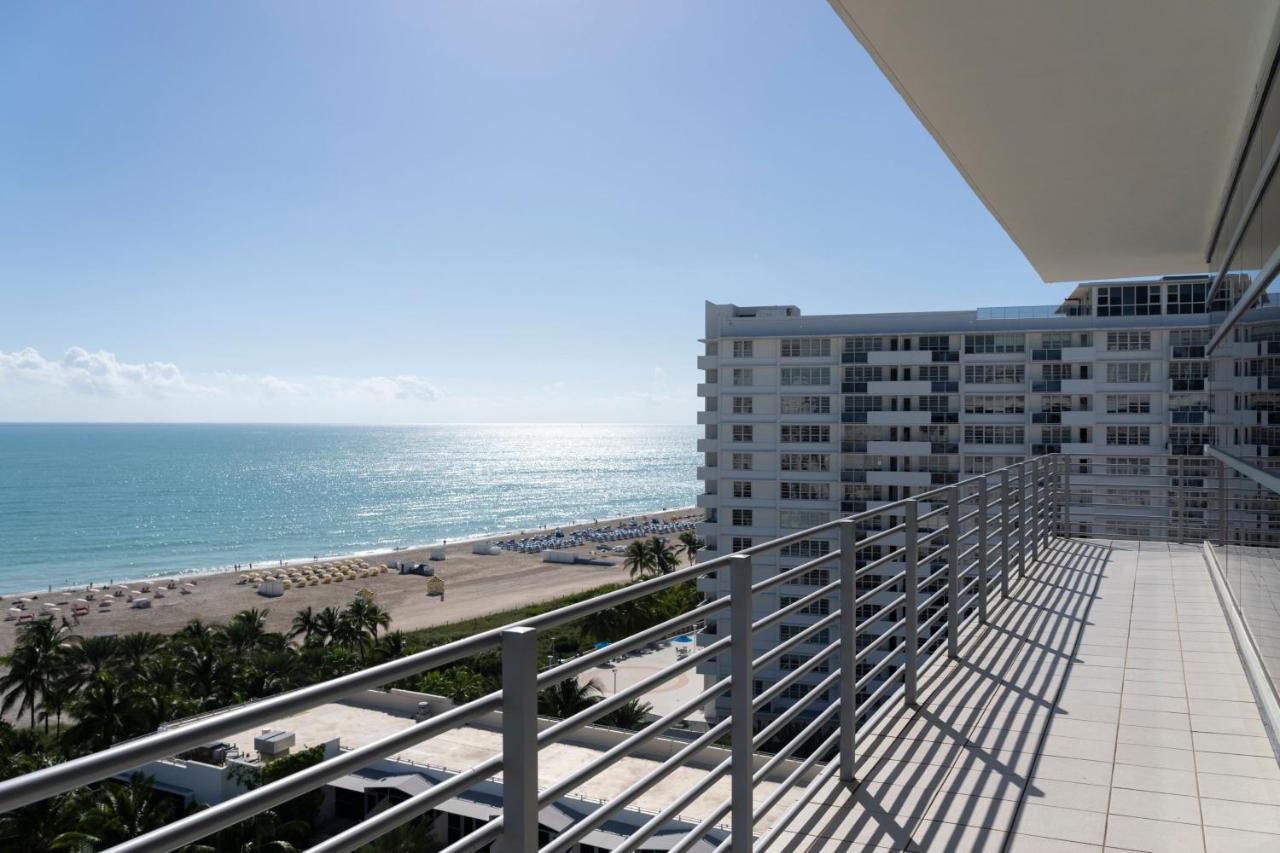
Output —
<point x="808" y="419"/>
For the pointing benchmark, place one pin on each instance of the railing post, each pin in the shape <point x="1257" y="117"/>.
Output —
<point x="519" y="741"/>
<point x="911" y="583"/>
<point x="848" y="650"/>
<point x="1065" y="497"/>
<point x="1035" y="508"/>
<point x="1181" y="494"/>
<point x="982" y="549"/>
<point x="741" y="694"/>
<point x="953" y="572"/>
<point x="1005" y="532"/>
<point x="1024" y="539"/>
<point x="1223" y="525"/>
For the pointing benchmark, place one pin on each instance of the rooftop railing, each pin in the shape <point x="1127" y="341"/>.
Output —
<point x="912" y="581"/>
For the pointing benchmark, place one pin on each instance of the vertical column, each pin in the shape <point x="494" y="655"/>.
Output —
<point x="1223" y="526"/>
<point x="982" y="548"/>
<point x="911" y="584"/>
<point x="741" y="728"/>
<point x="1066" y="497"/>
<point x="1181" y="498"/>
<point x="1006" y="521"/>
<point x="519" y="740"/>
<point x="848" y="650"/>
<point x="1036" y="507"/>
<point x="1024" y="520"/>
<point x="953" y="572"/>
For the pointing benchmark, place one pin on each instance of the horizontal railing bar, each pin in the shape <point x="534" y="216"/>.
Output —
<point x="890" y="632"/>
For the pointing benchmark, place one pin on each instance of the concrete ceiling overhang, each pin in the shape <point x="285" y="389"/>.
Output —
<point x="1101" y="134"/>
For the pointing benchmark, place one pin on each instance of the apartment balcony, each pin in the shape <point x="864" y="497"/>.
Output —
<point x="1046" y="417"/>
<point x="1181" y="418"/>
<point x="853" y="358"/>
<point x="853" y="447"/>
<point x="853" y="387"/>
<point x="708" y="417"/>
<point x="705" y="500"/>
<point x="708" y="362"/>
<point x="1074" y="418"/>
<point x="944" y="356"/>
<point x="705" y="445"/>
<point x="858" y="476"/>
<point x="848" y="417"/>
<point x="1188" y="384"/>
<point x="1046" y="386"/>
<point x="914" y="418"/>
<point x="1064" y="694"/>
<point x="708" y="389"/>
<point x="1076" y="386"/>
<point x="898" y="388"/>
<point x="944" y="417"/>
<point x="1046" y="355"/>
<point x="1076" y="355"/>
<point x="898" y="448"/>
<point x="707" y="472"/>
<point x="898" y="478"/>
<point x="1186" y="351"/>
<point x="943" y="447"/>
<point x="900" y="357"/>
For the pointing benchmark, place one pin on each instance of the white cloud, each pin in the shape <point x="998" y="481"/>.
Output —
<point x="95" y="373"/>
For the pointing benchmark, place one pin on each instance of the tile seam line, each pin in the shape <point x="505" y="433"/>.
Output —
<point x="1012" y="832"/>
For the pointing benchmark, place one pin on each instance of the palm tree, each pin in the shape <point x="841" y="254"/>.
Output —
<point x="304" y="624"/>
<point x="104" y="712"/>
<point x="603" y="625"/>
<point x="328" y="625"/>
<point x="392" y="645"/>
<point x="690" y="545"/>
<point x="639" y="561"/>
<point x="36" y="660"/>
<point x="245" y="630"/>
<point x="138" y="651"/>
<point x="568" y="697"/>
<point x="631" y="715"/>
<point x="44" y="826"/>
<point x="664" y="558"/>
<point x="91" y="655"/>
<point x="121" y="812"/>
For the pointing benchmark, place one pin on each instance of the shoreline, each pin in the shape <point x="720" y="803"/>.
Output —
<point x="388" y="553"/>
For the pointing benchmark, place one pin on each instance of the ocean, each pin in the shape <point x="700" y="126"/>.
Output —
<point x="83" y="503"/>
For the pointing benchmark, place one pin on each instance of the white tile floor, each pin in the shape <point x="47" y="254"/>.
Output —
<point x="1104" y="708"/>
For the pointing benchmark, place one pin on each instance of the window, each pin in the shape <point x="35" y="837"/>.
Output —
<point x="935" y="343"/>
<point x="821" y="637"/>
<point x="1055" y="340"/>
<point x="1189" y="337"/>
<point x="994" y="343"/>
<point x="987" y="464"/>
<point x="863" y="373"/>
<point x="806" y="347"/>
<point x="806" y="548"/>
<point x="821" y="607"/>
<point x="1187" y="298"/>
<point x="804" y="433"/>
<point x="742" y="517"/>
<point x="802" y="519"/>
<point x="742" y="488"/>
<point x="789" y="663"/>
<point x="1128" y="341"/>
<point x="1190" y="369"/>
<point x="1128" y="404"/>
<point x="806" y="405"/>
<point x="1127" y="300"/>
<point x="1056" y="371"/>
<point x="743" y="376"/>
<point x="993" y="434"/>
<point x="1055" y="403"/>
<point x="1129" y="371"/>
<point x="863" y="344"/>
<point x="804" y="462"/>
<point x="995" y="374"/>
<point x="743" y="432"/>
<point x="741" y="462"/>
<point x="806" y="376"/>
<point x="744" y="349"/>
<point x="743" y="405"/>
<point x="740" y="543"/>
<point x="935" y="373"/>
<point x="1128" y="466"/>
<point x="933" y="403"/>
<point x="994" y="404"/>
<point x="863" y="403"/>
<point x="1191" y="439"/>
<point x="804" y="491"/>
<point x="1055" y="434"/>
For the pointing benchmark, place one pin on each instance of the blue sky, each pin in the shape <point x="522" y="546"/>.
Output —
<point x="455" y="211"/>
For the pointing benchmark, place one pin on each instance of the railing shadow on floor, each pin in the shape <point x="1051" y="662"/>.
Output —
<point x="952" y="773"/>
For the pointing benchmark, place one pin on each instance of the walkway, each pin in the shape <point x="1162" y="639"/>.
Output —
<point x="1110" y="681"/>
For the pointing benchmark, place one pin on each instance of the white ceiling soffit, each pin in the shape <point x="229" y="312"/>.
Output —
<point x="1099" y="133"/>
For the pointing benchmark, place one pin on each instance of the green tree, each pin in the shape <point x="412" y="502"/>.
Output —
<point x="639" y="561"/>
<point x="663" y="557"/>
<point x="568" y="697"/>
<point x="304" y="624"/>
<point x="37" y="660"/>
<point x="690" y="545"/>
<point x="119" y="812"/>
<point x="631" y="715"/>
<point x="105" y="713"/>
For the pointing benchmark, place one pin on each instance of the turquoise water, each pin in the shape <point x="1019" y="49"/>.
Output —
<point x="85" y="503"/>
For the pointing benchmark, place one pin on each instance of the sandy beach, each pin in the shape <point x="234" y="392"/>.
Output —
<point x="476" y="585"/>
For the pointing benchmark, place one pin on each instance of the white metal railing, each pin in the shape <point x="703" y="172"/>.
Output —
<point x="950" y="550"/>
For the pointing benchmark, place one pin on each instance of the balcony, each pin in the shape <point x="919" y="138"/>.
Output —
<point x="1046" y="417"/>
<point x="903" y="357"/>
<point x="848" y="476"/>
<point x="853" y="358"/>
<point x="1055" y="693"/>
<point x="944" y="417"/>
<point x="898" y="387"/>
<point x="853" y="387"/>
<point x="913" y="418"/>
<point x="898" y="448"/>
<point x="708" y="417"/>
<point x="1046" y="386"/>
<point x="1181" y="351"/>
<point x="707" y="472"/>
<point x="944" y="356"/>
<point x="1188" y="384"/>
<point x="1180" y="418"/>
<point x="708" y="389"/>
<point x="708" y="362"/>
<point x="1046" y="355"/>
<point x="847" y="417"/>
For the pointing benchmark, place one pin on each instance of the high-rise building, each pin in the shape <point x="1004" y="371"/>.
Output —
<point x="811" y="418"/>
